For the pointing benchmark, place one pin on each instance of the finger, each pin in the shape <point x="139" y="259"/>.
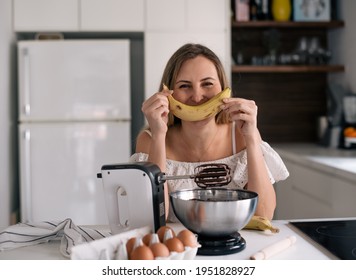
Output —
<point x="155" y="105"/>
<point x="228" y="102"/>
<point x="155" y="101"/>
<point x="161" y="111"/>
<point x="157" y="113"/>
<point x="234" y="99"/>
<point x="241" y="108"/>
<point x="166" y="90"/>
<point x="240" y="116"/>
<point x="248" y="107"/>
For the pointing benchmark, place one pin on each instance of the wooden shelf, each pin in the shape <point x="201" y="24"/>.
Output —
<point x="288" y="24"/>
<point x="285" y="94"/>
<point x="287" y="69"/>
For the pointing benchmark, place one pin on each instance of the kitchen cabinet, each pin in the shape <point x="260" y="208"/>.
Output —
<point x="112" y="15"/>
<point x="290" y="96"/>
<point x="45" y="15"/>
<point x="312" y="193"/>
<point x="165" y="15"/>
<point x="79" y="15"/>
<point x="186" y="15"/>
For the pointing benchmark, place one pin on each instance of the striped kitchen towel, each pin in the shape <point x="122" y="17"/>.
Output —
<point x="26" y="234"/>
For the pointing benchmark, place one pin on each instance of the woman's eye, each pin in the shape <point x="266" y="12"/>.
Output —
<point x="184" y="86"/>
<point x="208" y="84"/>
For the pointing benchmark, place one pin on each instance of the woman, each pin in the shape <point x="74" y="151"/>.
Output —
<point x="194" y="75"/>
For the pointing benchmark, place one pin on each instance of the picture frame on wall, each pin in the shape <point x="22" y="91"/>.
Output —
<point x="311" y="10"/>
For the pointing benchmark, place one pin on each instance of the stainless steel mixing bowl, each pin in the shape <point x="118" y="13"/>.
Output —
<point x="214" y="212"/>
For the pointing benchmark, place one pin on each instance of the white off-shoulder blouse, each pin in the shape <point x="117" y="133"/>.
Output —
<point x="237" y="163"/>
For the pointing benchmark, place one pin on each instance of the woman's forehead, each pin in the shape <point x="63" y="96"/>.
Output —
<point x="199" y="67"/>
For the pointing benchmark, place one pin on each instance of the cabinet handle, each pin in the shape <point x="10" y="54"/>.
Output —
<point x="26" y="187"/>
<point x="27" y="88"/>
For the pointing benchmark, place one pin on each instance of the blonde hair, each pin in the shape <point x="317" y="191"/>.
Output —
<point x="174" y="64"/>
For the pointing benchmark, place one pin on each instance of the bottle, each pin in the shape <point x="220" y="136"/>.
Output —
<point x="253" y="10"/>
<point x="242" y="10"/>
<point x="265" y="9"/>
<point x="281" y="10"/>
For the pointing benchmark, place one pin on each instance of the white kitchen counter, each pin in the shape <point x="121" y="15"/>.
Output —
<point x="303" y="249"/>
<point x="338" y="162"/>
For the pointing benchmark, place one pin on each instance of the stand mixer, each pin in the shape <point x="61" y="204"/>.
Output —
<point x="134" y="196"/>
<point x="134" y="192"/>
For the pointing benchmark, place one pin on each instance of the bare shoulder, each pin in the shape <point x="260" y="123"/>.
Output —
<point x="143" y="142"/>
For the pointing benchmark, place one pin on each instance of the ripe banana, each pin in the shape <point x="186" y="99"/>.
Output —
<point x="199" y="112"/>
<point x="261" y="223"/>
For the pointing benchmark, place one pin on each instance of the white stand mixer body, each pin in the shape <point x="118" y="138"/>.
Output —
<point x="133" y="198"/>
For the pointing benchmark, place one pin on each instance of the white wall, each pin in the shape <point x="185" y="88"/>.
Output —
<point x="342" y="42"/>
<point x="7" y="119"/>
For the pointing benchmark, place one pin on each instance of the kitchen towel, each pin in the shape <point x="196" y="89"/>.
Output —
<point x="26" y="234"/>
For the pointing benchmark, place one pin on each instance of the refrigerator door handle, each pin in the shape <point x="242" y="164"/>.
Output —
<point x="27" y="177"/>
<point x="27" y="91"/>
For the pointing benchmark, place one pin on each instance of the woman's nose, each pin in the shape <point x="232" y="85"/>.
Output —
<point x="197" y="96"/>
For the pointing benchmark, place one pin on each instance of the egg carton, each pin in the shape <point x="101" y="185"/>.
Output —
<point x="114" y="248"/>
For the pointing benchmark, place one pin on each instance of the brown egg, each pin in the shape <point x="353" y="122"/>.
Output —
<point x="147" y="238"/>
<point x="174" y="245"/>
<point x="159" y="250"/>
<point x="162" y="230"/>
<point x="130" y="245"/>
<point x="142" y="252"/>
<point x="188" y="238"/>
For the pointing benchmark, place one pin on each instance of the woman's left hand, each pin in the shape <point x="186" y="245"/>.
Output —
<point x="244" y="113"/>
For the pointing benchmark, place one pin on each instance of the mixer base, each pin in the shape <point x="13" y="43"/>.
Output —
<point x="214" y="246"/>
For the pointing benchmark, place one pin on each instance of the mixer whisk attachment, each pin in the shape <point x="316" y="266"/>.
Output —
<point x="212" y="175"/>
<point x="206" y="175"/>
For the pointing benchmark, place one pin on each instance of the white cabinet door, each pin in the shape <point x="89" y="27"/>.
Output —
<point x="112" y="15"/>
<point x="344" y="194"/>
<point x="191" y="16"/>
<point x="165" y="15"/>
<point x="284" y="193"/>
<point x="46" y="15"/>
<point x="311" y="193"/>
<point x="209" y="15"/>
<point x="58" y="167"/>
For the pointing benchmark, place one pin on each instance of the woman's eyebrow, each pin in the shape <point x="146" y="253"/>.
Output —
<point x="182" y="81"/>
<point x="202" y="80"/>
<point x="207" y="78"/>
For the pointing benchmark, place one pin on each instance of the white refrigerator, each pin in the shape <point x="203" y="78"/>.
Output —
<point x="74" y="117"/>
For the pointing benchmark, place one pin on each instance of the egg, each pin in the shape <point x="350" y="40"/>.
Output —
<point x="188" y="238"/>
<point x="142" y="252"/>
<point x="159" y="250"/>
<point x="130" y="245"/>
<point x="174" y="245"/>
<point x="162" y="230"/>
<point x="147" y="238"/>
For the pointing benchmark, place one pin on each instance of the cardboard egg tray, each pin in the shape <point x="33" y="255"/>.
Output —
<point x="114" y="248"/>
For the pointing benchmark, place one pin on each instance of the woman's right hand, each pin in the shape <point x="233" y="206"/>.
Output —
<point x="156" y="109"/>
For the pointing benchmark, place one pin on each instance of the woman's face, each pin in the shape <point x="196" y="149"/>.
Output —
<point x="197" y="81"/>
